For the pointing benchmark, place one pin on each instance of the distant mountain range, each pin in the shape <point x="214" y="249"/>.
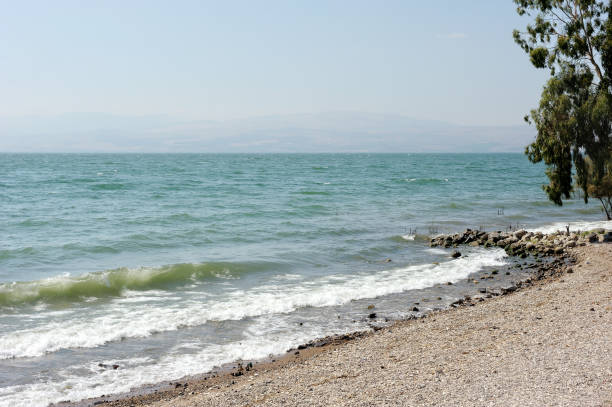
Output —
<point x="307" y="133"/>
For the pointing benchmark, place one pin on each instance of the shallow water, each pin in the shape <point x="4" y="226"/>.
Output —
<point x="170" y="265"/>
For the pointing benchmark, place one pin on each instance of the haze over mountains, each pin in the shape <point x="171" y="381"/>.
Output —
<point x="299" y="133"/>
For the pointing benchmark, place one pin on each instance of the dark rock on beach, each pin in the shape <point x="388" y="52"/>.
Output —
<point x="522" y="243"/>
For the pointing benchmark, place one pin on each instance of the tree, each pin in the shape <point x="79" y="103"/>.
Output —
<point x="573" y="39"/>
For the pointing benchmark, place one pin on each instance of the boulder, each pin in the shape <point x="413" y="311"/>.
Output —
<point x="519" y="234"/>
<point x="494" y="237"/>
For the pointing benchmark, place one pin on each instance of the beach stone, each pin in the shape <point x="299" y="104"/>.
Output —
<point x="494" y="237"/>
<point x="519" y="234"/>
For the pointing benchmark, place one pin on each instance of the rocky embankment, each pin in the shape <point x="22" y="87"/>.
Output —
<point x="522" y="243"/>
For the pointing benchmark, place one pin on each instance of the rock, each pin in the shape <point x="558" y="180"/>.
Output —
<point x="599" y="231"/>
<point x="475" y="243"/>
<point x="456" y="254"/>
<point x="372" y="315"/>
<point x="458" y="302"/>
<point x="482" y="290"/>
<point x="494" y="237"/>
<point x="115" y="367"/>
<point x="519" y="234"/>
<point x="592" y="238"/>
<point x="371" y="306"/>
<point x="414" y="309"/>
<point x="494" y="272"/>
<point x="388" y="260"/>
<point x="449" y="283"/>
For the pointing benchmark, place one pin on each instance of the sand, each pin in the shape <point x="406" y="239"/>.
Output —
<point x="544" y="345"/>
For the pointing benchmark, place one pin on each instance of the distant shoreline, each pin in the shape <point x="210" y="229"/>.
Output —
<point x="219" y="387"/>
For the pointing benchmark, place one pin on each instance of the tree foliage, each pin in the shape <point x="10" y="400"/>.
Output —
<point x="573" y="40"/>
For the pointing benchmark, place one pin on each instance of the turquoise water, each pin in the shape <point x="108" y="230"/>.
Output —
<point x="172" y="264"/>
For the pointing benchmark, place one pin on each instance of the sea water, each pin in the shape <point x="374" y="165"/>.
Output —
<point x="169" y="265"/>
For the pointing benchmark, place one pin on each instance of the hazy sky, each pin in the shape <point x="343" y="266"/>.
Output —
<point x="444" y="60"/>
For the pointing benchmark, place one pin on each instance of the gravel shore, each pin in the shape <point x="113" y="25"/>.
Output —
<point x="544" y="345"/>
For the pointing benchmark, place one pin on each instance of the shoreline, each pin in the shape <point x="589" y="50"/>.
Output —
<point x="222" y="380"/>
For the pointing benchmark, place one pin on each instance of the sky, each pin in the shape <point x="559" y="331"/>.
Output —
<point x="445" y="61"/>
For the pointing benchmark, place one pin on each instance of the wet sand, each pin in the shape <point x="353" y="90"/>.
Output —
<point x="547" y="343"/>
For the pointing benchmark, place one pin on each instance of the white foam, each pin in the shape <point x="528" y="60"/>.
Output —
<point x="408" y="237"/>
<point x="575" y="226"/>
<point x="170" y="367"/>
<point x="435" y="250"/>
<point x="114" y="322"/>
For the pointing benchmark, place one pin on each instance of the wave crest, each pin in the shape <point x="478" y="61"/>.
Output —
<point x="112" y="283"/>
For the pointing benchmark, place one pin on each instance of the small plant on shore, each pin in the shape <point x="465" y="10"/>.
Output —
<point x="573" y="39"/>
